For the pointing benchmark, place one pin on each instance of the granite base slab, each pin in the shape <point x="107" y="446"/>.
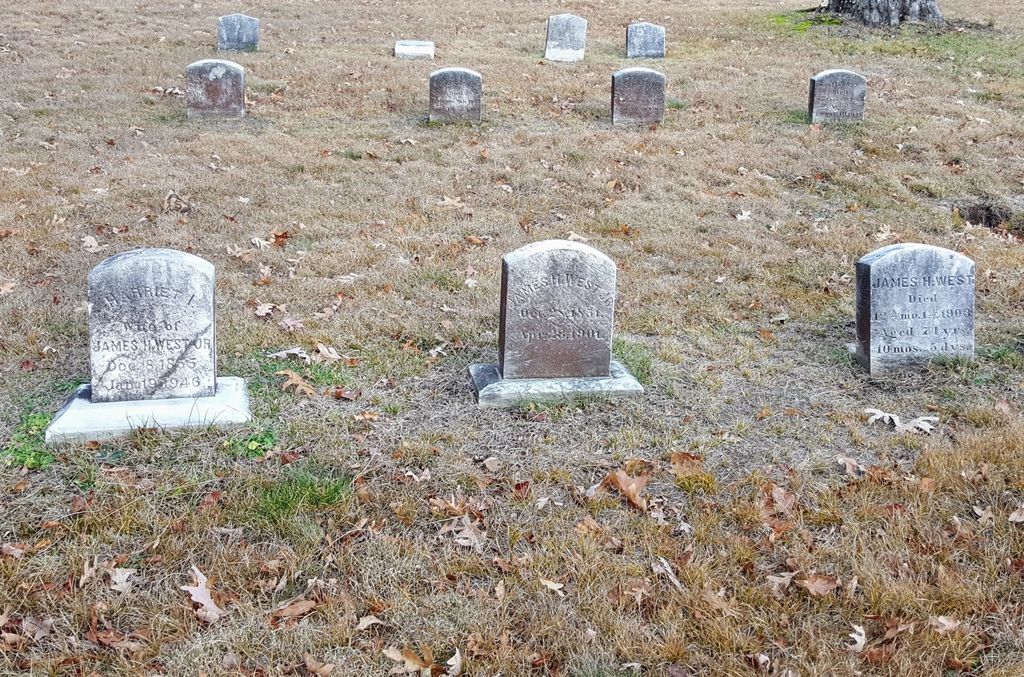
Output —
<point x="494" y="392"/>
<point x="82" y="420"/>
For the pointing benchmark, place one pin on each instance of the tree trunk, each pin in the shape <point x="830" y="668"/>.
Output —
<point x="888" y="12"/>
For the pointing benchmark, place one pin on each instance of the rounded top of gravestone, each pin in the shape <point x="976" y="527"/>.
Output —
<point x="879" y="255"/>
<point x="645" y="24"/>
<point x="209" y="64"/>
<point x="639" y="70"/>
<point x="548" y="246"/>
<point x="567" y="17"/>
<point x="839" y="74"/>
<point x="153" y="255"/>
<point x="452" y="70"/>
<point x="238" y="15"/>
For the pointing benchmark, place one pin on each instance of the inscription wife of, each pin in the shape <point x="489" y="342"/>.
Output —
<point x="151" y="326"/>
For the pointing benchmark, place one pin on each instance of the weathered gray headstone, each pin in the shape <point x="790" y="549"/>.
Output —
<point x="837" y="96"/>
<point x="566" y="38"/>
<point x="238" y="33"/>
<point x="638" y="96"/>
<point x="915" y="302"/>
<point x="455" y="95"/>
<point x="215" y="89"/>
<point x="555" y="331"/>
<point x="151" y="326"/>
<point x="153" y="352"/>
<point x="645" y="41"/>
<point x="414" y="49"/>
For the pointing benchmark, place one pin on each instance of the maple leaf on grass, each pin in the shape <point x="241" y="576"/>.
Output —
<point x="630" y="487"/>
<point x="818" y="585"/>
<point x="299" y="385"/>
<point x="921" y="424"/>
<point x="208" y="611"/>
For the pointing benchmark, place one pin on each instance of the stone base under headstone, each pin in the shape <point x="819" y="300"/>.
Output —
<point x="494" y="392"/>
<point x="82" y="420"/>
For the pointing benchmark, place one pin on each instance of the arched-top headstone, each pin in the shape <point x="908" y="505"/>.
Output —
<point x="455" y="95"/>
<point x="915" y="302"/>
<point x="837" y="96"/>
<point x="645" y="41"/>
<point x="638" y="96"/>
<point x="215" y="89"/>
<point x="238" y="33"/>
<point x="566" y="38"/>
<point x="557" y="311"/>
<point x="151" y="326"/>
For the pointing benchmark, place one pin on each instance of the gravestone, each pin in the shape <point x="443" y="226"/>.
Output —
<point x="455" y="95"/>
<point x="555" y="329"/>
<point x="215" y="89"/>
<point x="414" y="49"/>
<point x="915" y="302"/>
<point x="151" y="326"/>
<point x="638" y="96"/>
<point x="645" y="41"/>
<point x="153" y="351"/>
<point x="238" y="33"/>
<point x="837" y="96"/>
<point x="566" y="38"/>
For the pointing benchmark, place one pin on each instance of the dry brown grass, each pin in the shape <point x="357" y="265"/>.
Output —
<point x="87" y="150"/>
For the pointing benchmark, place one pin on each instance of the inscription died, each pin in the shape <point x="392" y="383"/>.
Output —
<point x="914" y="302"/>
<point x="557" y="314"/>
<point x="151" y="326"/>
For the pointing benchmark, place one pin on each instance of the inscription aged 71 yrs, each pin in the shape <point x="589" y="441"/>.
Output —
<point x="557" y="308"/>
<point x="915" y="302"/>
<point x="151" y="326"/>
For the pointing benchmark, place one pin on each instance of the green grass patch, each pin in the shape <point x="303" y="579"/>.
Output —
<point x="252" y="446"/>
<point x="299" y="491"/>
<point x="636" y="357"/>
<point x="801" y="22"/>
<point x="27" y="447"/>
<point x="676" y="104"/>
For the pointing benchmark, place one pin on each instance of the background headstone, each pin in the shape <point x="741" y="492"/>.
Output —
<point x="837" y="96"/>
<point x="645" y="41"/>
<point x="238" y="33"/>
<point x="915" y="302"/>
<point x="638" y="96"/>
<point x="566" y="38"/>
<point x="151" y="326"/>
<point x="557" y="311"/>
<point x="215" y="89"/>
<point x="414" y="49"/>
<point x="455" y="95"/>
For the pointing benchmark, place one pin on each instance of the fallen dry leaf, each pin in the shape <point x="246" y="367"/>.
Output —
<point x="943" y="624"/>
<point x="630" y="487"/>
<point x="553" y="586"/>
<point x="367" y="622"/>
<point x="818" y="585"/>
<point x="315" y="667"/>
<point x="295" y="609"/>
<point x="208" y="611"/>
<point x="299" y="385"/>
<point x="859" y="638"/>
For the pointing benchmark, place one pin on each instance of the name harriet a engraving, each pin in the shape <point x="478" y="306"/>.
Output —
<point x="915" y="302"/>
<point x="151" y="326"/>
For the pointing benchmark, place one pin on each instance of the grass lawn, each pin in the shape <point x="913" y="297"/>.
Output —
<point x="743" y="517"/>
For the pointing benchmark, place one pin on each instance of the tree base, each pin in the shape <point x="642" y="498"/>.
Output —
<point x="888" y="12"/>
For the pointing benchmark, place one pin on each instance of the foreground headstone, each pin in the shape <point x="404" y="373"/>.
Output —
<point x="555" y="332"/>
<point x="645" y="41"/>
<point x="238" y="33"/>
<point x="414" y="49"/>
<point x="153" y="351"/>
<point x="837" y="96"/>
<point x="915" y="302"/>
<point x="638" y="96"/>
<point x="215" y="89"/>
<point x="455" y="95"/>
<point x="566" y="39"/>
